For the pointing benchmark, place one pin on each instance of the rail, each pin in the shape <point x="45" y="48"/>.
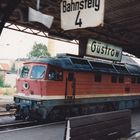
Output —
<point x="18" y="124"/>
<point x="5" y="113"/>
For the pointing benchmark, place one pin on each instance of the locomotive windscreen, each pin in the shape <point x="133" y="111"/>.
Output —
<point x="38" y="72"/>
<point x="25" y="71"/>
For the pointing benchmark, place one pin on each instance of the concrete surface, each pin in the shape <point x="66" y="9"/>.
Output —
<point x="48" y="132"/>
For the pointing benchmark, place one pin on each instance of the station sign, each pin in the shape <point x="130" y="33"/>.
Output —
<point x="103" y="50"/>
<point x="81" y="13"/>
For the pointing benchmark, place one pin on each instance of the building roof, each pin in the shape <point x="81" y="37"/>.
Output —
<point x="121" y="22"/>
<point x="4" y="67"/>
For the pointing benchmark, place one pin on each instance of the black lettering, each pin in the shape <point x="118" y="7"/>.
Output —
<point x="98" y="49"/>
<point x="102" y="50"/>
<point x="112" y="52"/>
<point x="109" y="49"/>
<point x="81" y="5"/>
<point x="97" y="5"/>
<point x="72" y="6"/>
<point x="77" y="6"/>
<point x="106" y="50"/>
<point x="78" y="20"/>
<point x="117" y="54"/>
<point x="90" y="3"/>
<point x="93" y="46"/>
<point x="86" y="4"/>
<point x="68" y="7"/>
<point x="64" y="6"/>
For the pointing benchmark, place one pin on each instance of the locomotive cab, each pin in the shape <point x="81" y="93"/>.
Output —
<point x="32" y="87"/>
<point x="29" y="86"/>
<point x="30" y="76"/>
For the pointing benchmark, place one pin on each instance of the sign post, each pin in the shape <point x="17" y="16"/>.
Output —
<point x="81" y="13"/>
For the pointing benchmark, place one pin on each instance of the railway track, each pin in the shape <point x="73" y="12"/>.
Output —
<point x="24" y="124"/>
<point x="10" y="124"/>
<point x="17" y="124"/>
<point x="7" y="113"/>
<point x="13" y="124"/>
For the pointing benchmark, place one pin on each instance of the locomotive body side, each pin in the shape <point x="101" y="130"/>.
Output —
<point x="50" y="90"/>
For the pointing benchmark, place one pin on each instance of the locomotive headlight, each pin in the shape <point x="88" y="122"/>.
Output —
<point x="26" y="85"/>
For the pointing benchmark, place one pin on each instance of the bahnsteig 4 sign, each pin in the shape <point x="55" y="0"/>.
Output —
<point x="103" y="50"/>
<point x="81" y="13"/>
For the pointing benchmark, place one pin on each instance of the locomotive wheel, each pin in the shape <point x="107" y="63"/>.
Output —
<point x="7" y="107"/>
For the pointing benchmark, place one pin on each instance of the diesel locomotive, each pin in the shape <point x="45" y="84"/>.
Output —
<point x="67" y="85"/>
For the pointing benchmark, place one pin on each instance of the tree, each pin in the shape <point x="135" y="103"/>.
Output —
<point x="1" y="81"/>
<point x="39" y="50"/>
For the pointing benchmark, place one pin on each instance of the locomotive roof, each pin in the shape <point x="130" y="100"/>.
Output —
<point x="83" y="64"/>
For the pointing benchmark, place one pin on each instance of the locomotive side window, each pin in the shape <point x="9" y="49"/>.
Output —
<point x="55" y="75"/>
<point x="25" y="71"/>
<point x="38" y="72"/>
<point x="114" y="78"/>
<point x="138" y="80"/>
<point x="133" y="80"/>
<point x="98" y="77"/>
<point x="121" y="79"/>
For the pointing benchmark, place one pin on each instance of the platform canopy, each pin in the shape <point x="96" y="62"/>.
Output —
<point x="121" y="24"/>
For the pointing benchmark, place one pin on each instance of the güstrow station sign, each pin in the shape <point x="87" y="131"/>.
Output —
<point x="103" y="50"/>
<point x="81" y="13"/>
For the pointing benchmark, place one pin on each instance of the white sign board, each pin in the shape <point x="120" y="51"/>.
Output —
<point x="103" y="50"/>
<point x="37" y="16"/>
<point x="81" y="13"/>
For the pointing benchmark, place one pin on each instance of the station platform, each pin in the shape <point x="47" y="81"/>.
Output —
<point x="55" y="131"/>
<point x="43" y="132"/>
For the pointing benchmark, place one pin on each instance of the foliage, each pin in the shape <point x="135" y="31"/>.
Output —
<point x="1" y="81"/>
<point x="39" y="50"/>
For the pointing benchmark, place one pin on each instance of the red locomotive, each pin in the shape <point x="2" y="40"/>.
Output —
<point x="69" y="86"/>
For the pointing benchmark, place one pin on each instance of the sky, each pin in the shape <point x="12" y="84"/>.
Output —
<point x="14" y="44"/>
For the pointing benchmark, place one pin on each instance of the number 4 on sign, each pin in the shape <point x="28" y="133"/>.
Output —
<point x="78" y="20"/>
